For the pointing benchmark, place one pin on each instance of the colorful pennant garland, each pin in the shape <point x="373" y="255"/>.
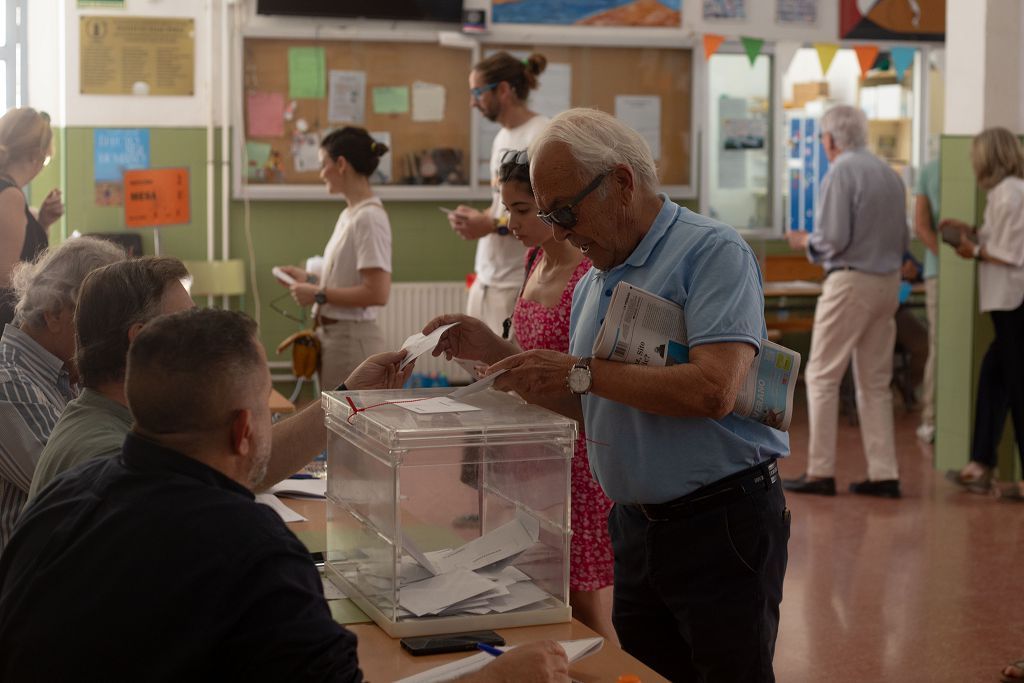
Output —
<point x="866" y="55"/>
<point x="826" y="53"/>
<point x="902" y="59"/>
<point x="712" y="42"/>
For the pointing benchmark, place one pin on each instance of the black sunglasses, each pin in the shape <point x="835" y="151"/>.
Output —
<point x="564" y="216"/>
<point x="515" y="156"/>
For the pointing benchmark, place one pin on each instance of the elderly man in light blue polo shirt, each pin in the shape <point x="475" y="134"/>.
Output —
<point x="699" y="527"/>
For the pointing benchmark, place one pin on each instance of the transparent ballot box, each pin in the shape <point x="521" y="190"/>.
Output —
<point x="440" y="522"/>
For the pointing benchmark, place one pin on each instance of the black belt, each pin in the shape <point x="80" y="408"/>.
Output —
<point x="834" y="269"/>
<point x="758" y="478"/>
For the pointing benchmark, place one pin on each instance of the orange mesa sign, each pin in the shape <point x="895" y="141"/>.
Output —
<point x="157" y="196"/>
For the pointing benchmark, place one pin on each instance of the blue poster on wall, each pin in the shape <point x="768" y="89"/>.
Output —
<point x="588" y="12"/>
<point x="116" y="150"/>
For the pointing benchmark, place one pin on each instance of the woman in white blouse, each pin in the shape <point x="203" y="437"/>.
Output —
<point x="356" y="277"/>
<point x="998" y="246"/>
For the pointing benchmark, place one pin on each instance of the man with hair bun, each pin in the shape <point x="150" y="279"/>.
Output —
<point x="860" y="238"/>
<point x="499" y="87"/>
<point x="37" y="373"/>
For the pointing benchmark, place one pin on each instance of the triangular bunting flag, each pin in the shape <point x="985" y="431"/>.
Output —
<point x="866" y="55"/>
<point x="753" y="48"/>
<point x="826" y="53"/>
<point x="902" y="58"/>
<point x="711" y="44"/>
<point x="784" y="52"/>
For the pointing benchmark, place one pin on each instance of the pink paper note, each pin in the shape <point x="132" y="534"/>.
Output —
<point x="265" y="114"/>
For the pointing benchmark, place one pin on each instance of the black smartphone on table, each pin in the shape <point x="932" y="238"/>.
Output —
<point x="450" y="642"/>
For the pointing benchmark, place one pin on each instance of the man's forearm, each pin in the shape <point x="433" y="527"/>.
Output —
<point x="295" y="442"/>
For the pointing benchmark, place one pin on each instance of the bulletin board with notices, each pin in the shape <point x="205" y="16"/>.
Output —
<point x="411" y="96"/>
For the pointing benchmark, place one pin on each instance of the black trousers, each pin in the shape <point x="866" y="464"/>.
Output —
<point x="697" y="598"/>
<point x="1000" y="387"/>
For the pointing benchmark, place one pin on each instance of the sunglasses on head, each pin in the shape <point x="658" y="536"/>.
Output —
<point x="479" y="91"/>
<point x="564" y="216"/>
<point x="515" y="156"/>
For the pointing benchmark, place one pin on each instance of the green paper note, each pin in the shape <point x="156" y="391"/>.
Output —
<point x="256" y="156"/>
<point x="307" y="73"/>
<point x="391" y="100"/>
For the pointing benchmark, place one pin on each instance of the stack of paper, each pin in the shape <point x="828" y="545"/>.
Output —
<point x="575" y="650"/>
<point x="300" y="488"/>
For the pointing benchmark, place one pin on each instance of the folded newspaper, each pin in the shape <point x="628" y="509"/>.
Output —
<point x="645" y="329"/>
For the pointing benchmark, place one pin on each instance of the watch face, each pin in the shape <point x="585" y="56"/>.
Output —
<point x="579" y="380"/>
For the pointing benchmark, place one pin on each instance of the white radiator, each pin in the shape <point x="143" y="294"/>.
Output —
<point x="409" y="308"/>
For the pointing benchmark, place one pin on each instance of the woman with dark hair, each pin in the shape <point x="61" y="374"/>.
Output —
<point x="356" y="276"/>
<point x="998" y="247"/>
<point x="25" y="149"/>
<point x="499" y="88"/>
<point x="540" y="320"/>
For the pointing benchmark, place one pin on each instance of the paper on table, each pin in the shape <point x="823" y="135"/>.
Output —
<point x="427" y="101"/>
<point x="419" y="343"/>
<point x="285" y="512"/>
<point x="575" y="650"/>
<point x="331" y="591"/>
<point x="264" y="114"/>
<point x="478" y="385"/>
<point x="440" y="404"/>
<point x="519" y="595"/>
<point x="438" y="592"/>
<point x="300" y="488"/>
<point x="505" y="541"/>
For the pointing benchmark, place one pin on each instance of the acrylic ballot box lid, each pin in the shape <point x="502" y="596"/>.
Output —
<point x="500" y="418"/>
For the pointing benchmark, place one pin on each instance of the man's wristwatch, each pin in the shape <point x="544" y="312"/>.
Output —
<point x="320" y="297"/>
<point x="580" y="378"/>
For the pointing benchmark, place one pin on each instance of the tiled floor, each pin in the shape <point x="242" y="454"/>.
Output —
<point x="926" y="588"/>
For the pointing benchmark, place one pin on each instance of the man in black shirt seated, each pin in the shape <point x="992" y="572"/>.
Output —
<point x="158" y="564"/>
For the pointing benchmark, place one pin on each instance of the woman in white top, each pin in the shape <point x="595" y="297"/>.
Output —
<point x="998" y="246"/>
<point x="356" y="277"/>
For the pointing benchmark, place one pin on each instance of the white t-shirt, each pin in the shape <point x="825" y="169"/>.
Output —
<point x="499" y="258"/>
<point x="1001" y="288"/>
<point x="361" y="240"/>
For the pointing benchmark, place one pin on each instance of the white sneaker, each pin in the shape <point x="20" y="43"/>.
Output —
<point x="926" y="433"/>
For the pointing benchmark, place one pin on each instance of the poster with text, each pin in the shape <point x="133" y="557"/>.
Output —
<point x="801" y="12"/>
<point x="725" y="9"/>
<point x="116" y="150"/>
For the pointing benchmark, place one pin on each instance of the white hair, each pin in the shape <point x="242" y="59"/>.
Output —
<point x="51" y="282"/>
<point x="847" y="125"/>
<point x="598" y="141"/>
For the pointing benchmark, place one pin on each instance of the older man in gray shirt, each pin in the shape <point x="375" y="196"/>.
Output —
<point x="860" y="237"/>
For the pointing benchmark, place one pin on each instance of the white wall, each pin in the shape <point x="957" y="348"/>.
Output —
<point x="53" y="46"/>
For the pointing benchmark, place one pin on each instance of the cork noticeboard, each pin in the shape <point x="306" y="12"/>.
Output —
<point x="385" y="65"/>
<point x="599" y="74"/>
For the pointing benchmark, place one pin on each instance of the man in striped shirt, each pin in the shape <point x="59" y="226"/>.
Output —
<point x="36" y="379"/>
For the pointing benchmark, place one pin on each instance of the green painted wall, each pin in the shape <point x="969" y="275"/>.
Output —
<point x="964" y="334"/>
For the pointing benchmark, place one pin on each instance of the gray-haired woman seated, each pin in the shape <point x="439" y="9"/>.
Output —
<point x="37" y="378"/>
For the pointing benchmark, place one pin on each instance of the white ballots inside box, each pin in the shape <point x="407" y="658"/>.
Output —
<point x="448" y="521"/>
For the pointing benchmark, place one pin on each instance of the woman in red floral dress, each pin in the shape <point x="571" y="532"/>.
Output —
<point x="541" y="321"/>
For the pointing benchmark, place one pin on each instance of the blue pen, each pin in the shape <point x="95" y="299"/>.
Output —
<point x="489" y="649"/>
<point x="302" y="476"/>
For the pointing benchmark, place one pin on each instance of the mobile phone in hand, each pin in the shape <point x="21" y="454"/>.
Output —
<point x="450" y="642"/>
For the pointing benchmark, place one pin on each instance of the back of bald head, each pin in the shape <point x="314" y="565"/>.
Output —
<point x="190" y="372"/>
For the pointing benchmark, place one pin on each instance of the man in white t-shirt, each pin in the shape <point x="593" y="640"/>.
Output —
<point x="499" y="87"/>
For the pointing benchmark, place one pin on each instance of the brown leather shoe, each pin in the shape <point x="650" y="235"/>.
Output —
<point x="823" y="487"/>
<point x="883" y="488"/>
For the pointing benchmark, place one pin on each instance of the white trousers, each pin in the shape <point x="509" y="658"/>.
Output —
<point x="491" y="304"/>
<point x="854" y="319"/>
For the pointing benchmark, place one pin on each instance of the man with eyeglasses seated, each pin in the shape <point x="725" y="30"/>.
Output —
<point x="499" y="88"/>
<point x="700" y="526"/>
